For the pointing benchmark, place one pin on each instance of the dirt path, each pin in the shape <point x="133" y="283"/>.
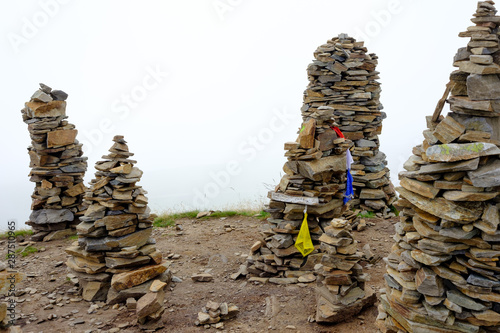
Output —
<point x="48" y="302"/>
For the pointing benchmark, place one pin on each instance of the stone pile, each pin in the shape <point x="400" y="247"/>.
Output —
<point x="315" y="176"/>
<point x="57" y="165"/>
<point x="114" y="257"/>
<point x="443" y="273"/>
<point x="343" y="79"/>
<point x="150" y="308"/>
<point x="341" y="291"/>
<point x="213" y="314"/>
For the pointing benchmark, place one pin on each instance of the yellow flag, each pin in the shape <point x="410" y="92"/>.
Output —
<point x="304" y="242"/>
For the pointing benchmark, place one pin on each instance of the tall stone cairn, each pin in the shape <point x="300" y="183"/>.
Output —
<point x="443" y="273"/>
<point x="315" y="176"/>
<point x="115" y="257"/>
<point x="343" y="78"/>
<point x="57" y="165"/>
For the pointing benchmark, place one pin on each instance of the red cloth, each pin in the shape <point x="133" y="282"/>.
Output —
<point x="337" y="130"/>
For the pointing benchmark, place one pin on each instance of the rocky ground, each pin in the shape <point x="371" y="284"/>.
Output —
<point x="48" y="300"/>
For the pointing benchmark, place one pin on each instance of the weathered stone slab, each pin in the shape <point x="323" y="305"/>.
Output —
<point x="317" y="169"/>
<point x="470" y="67"/>
<point x="44" y="110"/>
<point x="136" y="277"/>
<point x="115" y="296"/>
<point x="469" y="195"/>
<point x="464" y="301"/>
<point x="112" y="222"/>
<point x="443" y="208"/>
<point x="487" y="175"/>
<point x="126" y="262"/>
<point x="460" y="151"/>
<point x="481" y="87"/>
<point x="138" y="239"/>
<point x="47" y="216"/>
<point x="326" y="312"/>
<point x="429" y="260"/>
<point x="429" y="283"/>
<point x="372" y="194"/>
<point x="293" y="199"/>
<point x="306" y="135"/>
<point x="448" y="274"/>
<point x="448" y="130"/>
<point x="61" y="138"/>
<point x="93" y="291"/>
<point x="424" y="189"/>
<point x="449" y="167"/>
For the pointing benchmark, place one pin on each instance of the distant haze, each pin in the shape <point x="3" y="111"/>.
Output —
<point x="207" y="92"/>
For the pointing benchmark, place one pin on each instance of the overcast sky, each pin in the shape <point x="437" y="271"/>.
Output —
<point x="206" y="92"/>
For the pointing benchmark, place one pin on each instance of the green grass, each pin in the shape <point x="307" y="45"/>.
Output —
<point x="394" y="210"/>
<point x="367" y="214"/>
<point x="22" y="232"/>
<point x="73" y="237"/>
<point x="27" y="250"/>
<point x="168" y="220"/>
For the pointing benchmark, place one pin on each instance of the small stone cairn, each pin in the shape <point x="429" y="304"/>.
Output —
<point x="57" y="166"/>
<point x="115" y="257"/>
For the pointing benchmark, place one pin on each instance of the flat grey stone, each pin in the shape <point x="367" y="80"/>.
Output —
<point x="464" y="301"/>
<point x="487" y="175"/>
<point x="46" y="216"/>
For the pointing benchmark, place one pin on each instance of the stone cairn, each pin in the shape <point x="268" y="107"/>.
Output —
<point x="315" y="173"/>
<point x="443" y="273"/>
<point x="341" y="290"/>
<point x="57" y="166"/>
<point x="343" y="77"/>
<point x="114" y="258"/>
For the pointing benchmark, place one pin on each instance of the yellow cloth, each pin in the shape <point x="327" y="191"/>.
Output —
<point x="304" y="242"/>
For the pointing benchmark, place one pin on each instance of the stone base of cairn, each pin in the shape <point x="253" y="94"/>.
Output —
<point x="341" y="290"/>
<point x="57" y="166"/>
<point x="114" y="257"/>
<point x="315" y="180"/>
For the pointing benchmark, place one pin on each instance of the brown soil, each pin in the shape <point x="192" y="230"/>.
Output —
<point x="203" y="245"/>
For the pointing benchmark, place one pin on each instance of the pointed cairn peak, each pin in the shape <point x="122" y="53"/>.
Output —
<point x="118" y="162"/>
<point x="485" y="9"/>
<point x="45" y="94"/>
<point x="120" y="146"/>
<point x="119" y="151"/>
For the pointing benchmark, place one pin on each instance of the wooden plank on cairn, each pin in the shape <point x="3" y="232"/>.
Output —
<point x="309" y="201"/>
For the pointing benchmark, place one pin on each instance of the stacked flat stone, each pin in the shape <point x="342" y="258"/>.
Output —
<point x="443" y="273"/>
<point x="315" y="176"/>
<point x="57" y="165"/>
<point x="343" y="79"/>
<point x="114" y="257"/>
<point x="341" y="291"/>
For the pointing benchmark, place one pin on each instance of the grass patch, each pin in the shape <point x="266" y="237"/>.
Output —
<point x="394" y="210"/>
<point x="22" y="232"/>
<point x="168" y="220"/>
<point x="26" y="251"/>
<point x="366" y="214"/>
<point x="73" y="237"/>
